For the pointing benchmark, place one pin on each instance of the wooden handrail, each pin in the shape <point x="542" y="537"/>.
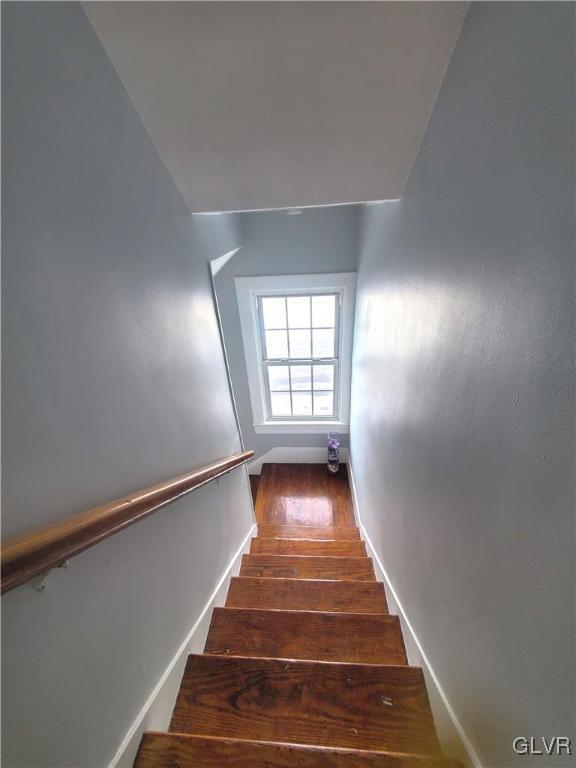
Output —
<point x="34" y="553"/>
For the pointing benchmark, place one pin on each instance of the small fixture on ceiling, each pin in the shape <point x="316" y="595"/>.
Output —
<point x="294" y="212"/>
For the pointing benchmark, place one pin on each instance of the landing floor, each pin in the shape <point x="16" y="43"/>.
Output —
<point x="304" y="494"/>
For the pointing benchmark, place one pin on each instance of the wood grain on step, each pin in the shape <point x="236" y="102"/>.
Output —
<point x="175" y="750"/>
<point x="307" y="532"/>
<point x="307" y="595"/>
<point x="344" y="637"/>
<point x="325" y="704"/>
<point x="335" y="548"/>
<point x="296" y="567"/>
<point x="304" y="494"/>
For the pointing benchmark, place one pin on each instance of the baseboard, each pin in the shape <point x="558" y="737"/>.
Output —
<point x="156" y="712"/>
<point x="293" y="456"/>
<point x="455" y="743"/>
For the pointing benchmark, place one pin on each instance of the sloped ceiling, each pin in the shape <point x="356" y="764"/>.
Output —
<point x="272" y="104"/>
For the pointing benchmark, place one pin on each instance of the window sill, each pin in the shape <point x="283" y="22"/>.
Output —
<point x="300" y="427"/>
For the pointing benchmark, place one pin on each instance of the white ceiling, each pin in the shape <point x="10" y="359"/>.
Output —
<point x="273" y="104"/>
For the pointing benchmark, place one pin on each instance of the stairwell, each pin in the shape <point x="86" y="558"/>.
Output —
<point x="303" y="666"/>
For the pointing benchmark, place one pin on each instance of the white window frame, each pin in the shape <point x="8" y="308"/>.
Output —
<point x="248" y="291"/>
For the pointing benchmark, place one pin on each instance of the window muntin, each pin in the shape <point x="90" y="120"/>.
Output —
<point x="299" y="344"/>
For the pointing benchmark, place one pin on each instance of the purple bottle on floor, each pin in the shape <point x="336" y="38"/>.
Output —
<point x="333" y="452"/>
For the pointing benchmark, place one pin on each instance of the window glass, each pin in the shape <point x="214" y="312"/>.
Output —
<point x="298" y="311"/>
<point x="323" y="377"/>
<point x="280" y="404"/>
<point x="323" y="311"/>
<point x="301" y="403"/>
<point x="274" y="312"/>
<point x="276" y="345"/>
<point x="323" y="342"/>
<point x="301" y="376"/>
<point x="302" y="328"/>
<point x="323" y="403"/>
<point x="278" y="378"/>
<point x="300" y="344"/>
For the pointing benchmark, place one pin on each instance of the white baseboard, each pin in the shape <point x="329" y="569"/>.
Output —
<point x="455" y="743"/>
<point x="293" y="456"/>
<point x="156" y="712"/>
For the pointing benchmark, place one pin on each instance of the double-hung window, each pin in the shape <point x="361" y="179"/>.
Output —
<point x="297" y="334"/>
<point x="299" y="344"/>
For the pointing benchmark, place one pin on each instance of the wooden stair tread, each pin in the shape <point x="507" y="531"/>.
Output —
<point x="307" y="595"/>
<point x="358" y="706"/>
<point x="295" y="567"/>
<point x="307" y="532"/>
<point x="176" y="750"/>
<point x="344" y="637"/>
<point x="324" y="548"/>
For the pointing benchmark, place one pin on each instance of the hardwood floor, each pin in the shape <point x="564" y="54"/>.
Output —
<point x="304" y="494"/>
<point x="303" y="666"/>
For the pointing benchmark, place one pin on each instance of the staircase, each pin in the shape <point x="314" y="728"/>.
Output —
<point x="303" y="666"/>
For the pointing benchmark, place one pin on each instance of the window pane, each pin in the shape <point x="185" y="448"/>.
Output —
<point x="323" y="311"/>
<point x="276" y="345"/>
<point x="323" y="377"/>
<point x="280" y="402"/>
<point x="278" y="378"/>
<point x="323" y="343"/>
<point x="298" y="311"/>
<point x="300" y="343"/>
<point x="302" y="403"/>
<point x="323" y="403"/>
<point x="301" y="377"/>
<point x="274" y="312"/>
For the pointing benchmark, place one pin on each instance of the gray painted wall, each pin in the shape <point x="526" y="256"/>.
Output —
<point x="220" y="232"/>
<point x="275" y="243"/>
<point x="462" y="422"/>
<point x="113" y="379"/>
